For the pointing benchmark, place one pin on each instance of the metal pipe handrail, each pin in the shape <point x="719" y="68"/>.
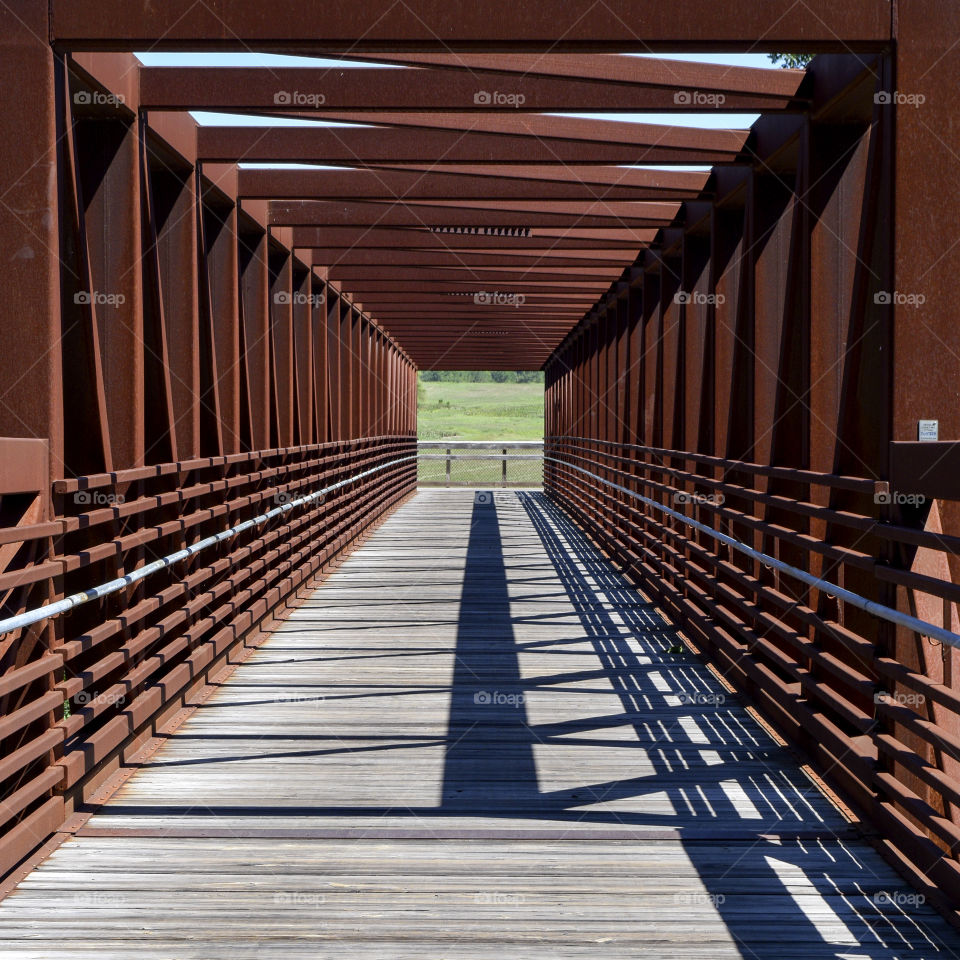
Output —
<point x="923" y="627"/>
<point x="482" y="444"/>
<point x="478" y="456"/>
<point x="59" y="607"/>
<point x="469" y="450"/>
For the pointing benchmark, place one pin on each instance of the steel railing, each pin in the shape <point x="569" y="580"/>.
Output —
<point x="192" y="558"/>
<point x="804" y="598"/>
<point x="471" y="463"/>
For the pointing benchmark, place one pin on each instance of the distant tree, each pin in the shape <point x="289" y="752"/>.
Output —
<point x="481" y="376"/>
<point x="791" y="61"/>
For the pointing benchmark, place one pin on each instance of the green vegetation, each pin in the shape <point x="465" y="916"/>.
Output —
<point x="482" y="376"/>
<point x="480" y="410"/>
<point x="791" y="61"/>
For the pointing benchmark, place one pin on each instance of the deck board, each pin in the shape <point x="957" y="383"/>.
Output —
<point x="470" y="741"/>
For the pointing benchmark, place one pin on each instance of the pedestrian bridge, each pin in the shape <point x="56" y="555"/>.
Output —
<point x="681" y="679"/>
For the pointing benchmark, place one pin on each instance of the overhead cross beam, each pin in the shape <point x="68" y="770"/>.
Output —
<point x="575" y="142"/>
<point x="475" y="83"/>
<point x="438" y="26"/>
<point x="534" y="259"/>
<point x="492" y="216"/>
<point x="491" y="182"/>
<point x="423" y="239"/>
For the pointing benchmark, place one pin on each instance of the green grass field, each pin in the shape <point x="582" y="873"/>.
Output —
<point x="481" y="411"/>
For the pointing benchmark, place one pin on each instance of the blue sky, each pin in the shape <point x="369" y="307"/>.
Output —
<point x="282" y="60"/>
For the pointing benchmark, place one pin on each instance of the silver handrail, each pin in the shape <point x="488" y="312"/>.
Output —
<point x="503" y="457"/>
<point x="59" y="607"/>
<point x="923" y="627"/>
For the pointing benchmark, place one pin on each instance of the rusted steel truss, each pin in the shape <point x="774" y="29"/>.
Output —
<point x="190" y="336"/>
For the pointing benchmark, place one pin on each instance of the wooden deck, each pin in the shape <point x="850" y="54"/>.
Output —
<point x="471" y="741"/>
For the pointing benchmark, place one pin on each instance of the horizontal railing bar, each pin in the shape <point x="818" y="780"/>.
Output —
<point x="70" y="562"/>
<point x="838" y="481"/>
<point x="786" y="534"/>
<point x="131" y="474"/>
<point x="480" y="456"/>
<point x="946" y="543"/>
<point x="60" y="607"/>
<point x="242" y="589"/>
<point x="480" y="444"/>
<point x="192" y="581"/>
<point x="922" y="627"/>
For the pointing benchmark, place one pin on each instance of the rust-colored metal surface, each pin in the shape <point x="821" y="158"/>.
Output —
<point x="542" y="83"/>
<point x="437" y="26"/>
<point x="191" y="331"/>
<point x="471" y="141"/>
<point x="594" y="184"/>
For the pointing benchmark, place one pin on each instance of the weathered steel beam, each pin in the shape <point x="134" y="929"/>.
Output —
<point x="425" y="240"/>
<point x="464" y="286"/>
<point x="471" y="272"/>
<point x="447" y="182"/>
<point x="595" y="143"/>
<point x="534" y="259"/>
<point x="322" y="213"/>
<point x="621" y="84"/>
<point x="433" y="25"/>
